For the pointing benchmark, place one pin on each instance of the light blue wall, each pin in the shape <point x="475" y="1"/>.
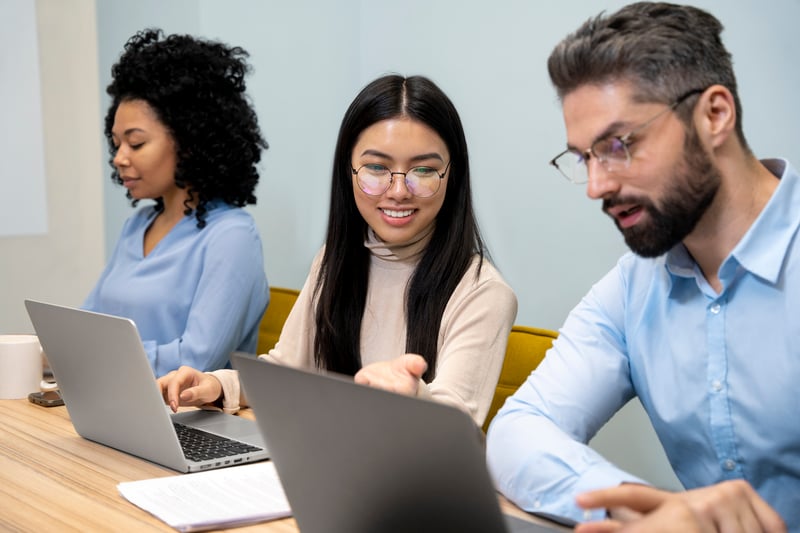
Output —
<point x="551" y="243"/>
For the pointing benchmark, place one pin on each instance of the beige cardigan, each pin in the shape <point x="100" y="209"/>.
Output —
<point x="472" y="336"/>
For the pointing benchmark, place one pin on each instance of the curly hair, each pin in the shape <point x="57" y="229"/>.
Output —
<point x="197" y="90"/>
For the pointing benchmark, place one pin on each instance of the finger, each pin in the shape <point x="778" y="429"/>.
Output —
<point x="182" y="379"/>
<point x="743" y="510"/>
<point x="624" y="514"/>
<point x="640" y="498"/>
<point x="391" y="383"/>
<point x="769" y="520"/>
<point x="675" y="515"/>
<point x="414" y="364"/>
<point x="361" y="377"/>
<point x="601" y="526"/>
<point x="163" y="387"/>
<point x="388" y="379"/>
<point x="190" y="396"/>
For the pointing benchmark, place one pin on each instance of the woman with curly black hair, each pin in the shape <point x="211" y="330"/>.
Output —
<point x="402" y="295"/>
<point x="187" y="269"/>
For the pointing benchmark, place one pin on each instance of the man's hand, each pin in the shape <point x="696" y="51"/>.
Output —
<point x="729" y="507"/>
<point x="188" y="386"/>
<point x="399" y="375"/>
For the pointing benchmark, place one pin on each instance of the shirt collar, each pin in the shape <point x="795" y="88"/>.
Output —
<point x="762" y="249"/>
<point x="401" y="252"/>
<point x="764" y="246"/>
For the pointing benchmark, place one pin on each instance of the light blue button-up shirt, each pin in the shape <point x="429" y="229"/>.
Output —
<point x="718" y="374"/>
<point x="197" y="296"/>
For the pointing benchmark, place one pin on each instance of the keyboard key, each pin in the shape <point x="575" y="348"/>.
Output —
<point x="199" y="445"/>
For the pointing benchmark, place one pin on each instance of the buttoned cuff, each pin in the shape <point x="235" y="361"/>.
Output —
<point x="602" y="476"/>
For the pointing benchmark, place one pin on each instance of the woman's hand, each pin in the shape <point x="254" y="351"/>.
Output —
<point x="730" y="506"/>
<point x="400" y="375"/>
<point x="188" y="386"/>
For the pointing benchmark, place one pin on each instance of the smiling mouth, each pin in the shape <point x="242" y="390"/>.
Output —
<point x="397" y="214"/>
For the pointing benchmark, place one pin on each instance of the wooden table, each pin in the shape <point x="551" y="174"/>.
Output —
<point x="51" y="479"/>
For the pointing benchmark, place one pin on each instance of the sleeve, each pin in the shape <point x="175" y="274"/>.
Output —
<point x="229" y="300"/>
<point x="293" y="347"/>
<point x="473" y="337"/>
<point x="537" y="445"/>
<point x="231" y="390"/>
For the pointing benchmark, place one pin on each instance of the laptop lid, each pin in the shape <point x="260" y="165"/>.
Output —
<point x="354" y="458"/>
<point x="111" y="394"/>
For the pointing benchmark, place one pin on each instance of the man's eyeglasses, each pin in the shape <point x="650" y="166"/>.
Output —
<point x="422" y="181"/>
<point x="612" y="151"/>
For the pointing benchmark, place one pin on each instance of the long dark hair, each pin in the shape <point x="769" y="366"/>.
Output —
<point x="341" y="288"/>
<point x="197" y="89"/>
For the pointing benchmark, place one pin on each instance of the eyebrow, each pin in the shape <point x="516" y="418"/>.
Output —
<point x="129" y="131"/>
<point x="420" y="157"/>
<point x="610" y="130"/>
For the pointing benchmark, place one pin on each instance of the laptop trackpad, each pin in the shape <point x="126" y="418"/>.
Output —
<point x="231" y="426"/>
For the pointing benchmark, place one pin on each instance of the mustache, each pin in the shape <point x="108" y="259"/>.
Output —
<point x="614" y="201"/>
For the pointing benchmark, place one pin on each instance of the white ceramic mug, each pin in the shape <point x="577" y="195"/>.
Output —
<point x="20" y="366"/>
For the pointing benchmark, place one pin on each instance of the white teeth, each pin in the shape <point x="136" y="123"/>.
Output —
<point x="397" y="214"/>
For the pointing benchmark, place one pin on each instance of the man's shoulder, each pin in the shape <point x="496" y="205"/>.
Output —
<point x="632" y="265"/>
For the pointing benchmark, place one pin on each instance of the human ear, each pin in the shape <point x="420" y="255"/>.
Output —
<point x="716" y="115"/>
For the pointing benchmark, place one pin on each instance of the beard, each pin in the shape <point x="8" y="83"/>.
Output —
<point x="685" y="201"/>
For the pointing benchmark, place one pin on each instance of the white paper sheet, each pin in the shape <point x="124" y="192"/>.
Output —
<point x="227" y="497"/>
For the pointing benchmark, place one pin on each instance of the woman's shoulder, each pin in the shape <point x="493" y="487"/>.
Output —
<point x="483" y="285"/>
<point x="481" y="270"/>
<point x="225" y="217"/>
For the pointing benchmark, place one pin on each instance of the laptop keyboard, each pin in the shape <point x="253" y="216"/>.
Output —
<point x="199" y="445"/>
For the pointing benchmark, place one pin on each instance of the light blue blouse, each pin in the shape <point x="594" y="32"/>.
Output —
<point x="200" y="293"/>
<point x="718" y="374"/>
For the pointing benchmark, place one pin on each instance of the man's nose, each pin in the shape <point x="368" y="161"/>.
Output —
<point x="602" y="181"/>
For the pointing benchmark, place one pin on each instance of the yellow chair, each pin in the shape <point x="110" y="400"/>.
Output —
<point x="525" y="350"/>
<point x="281" y="301"/>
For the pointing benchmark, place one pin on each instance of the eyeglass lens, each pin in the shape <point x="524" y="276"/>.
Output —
<point x="611" y="152"/>
<point x="376" y="180"/>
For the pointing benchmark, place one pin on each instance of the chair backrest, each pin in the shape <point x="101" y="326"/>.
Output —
<point x="525" y="350"/>
<point x="281" y="301"/>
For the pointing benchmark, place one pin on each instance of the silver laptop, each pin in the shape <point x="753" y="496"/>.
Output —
<point x="358" y="459"/>
<point x="112" y="397"/>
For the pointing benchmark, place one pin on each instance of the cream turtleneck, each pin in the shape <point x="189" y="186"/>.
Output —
<point x="472" y="335"/>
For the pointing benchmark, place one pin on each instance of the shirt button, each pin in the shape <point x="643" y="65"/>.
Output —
<point x="715" y="309"/>
<point x="729" y="465"/>
<point x="537" y="504"/>
<point x="716" y="385"/>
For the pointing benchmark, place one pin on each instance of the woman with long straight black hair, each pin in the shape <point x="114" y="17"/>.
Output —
<point x="402" y="295"/>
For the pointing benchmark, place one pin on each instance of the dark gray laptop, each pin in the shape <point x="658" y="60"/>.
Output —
<point x="354" y="459"/>
<point x="112" y="397"/>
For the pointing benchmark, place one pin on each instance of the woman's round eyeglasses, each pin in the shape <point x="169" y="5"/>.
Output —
<point x="422" y="181"/>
